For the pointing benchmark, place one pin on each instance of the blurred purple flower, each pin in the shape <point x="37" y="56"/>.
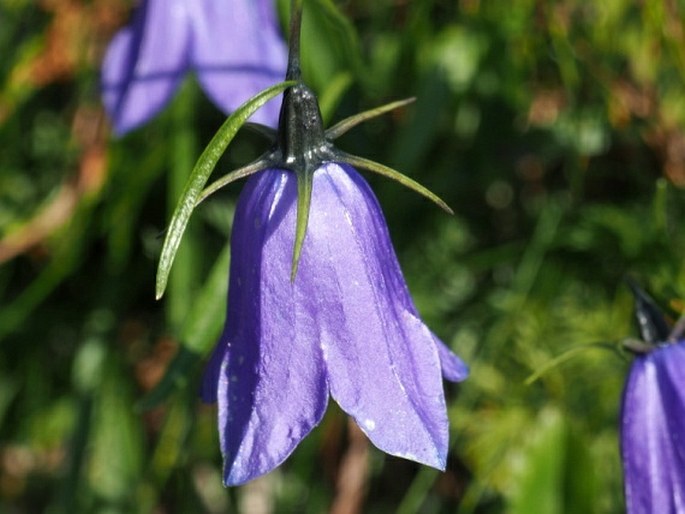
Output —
<point x="346" y="326"/>
<point x="653" y="431"/>
<point x="653" y="417"/>
<point x="234" y="46"/>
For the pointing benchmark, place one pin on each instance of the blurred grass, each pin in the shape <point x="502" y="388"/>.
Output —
<point x="554" y="129"/>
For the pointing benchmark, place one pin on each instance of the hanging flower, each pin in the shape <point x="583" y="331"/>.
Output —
<point x="317" y="304"/>
<point x="233" y="45"/>
<point x="346" y="327"/>
<point x="653" y="417"/>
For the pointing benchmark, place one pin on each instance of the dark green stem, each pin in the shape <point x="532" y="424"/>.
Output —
<point x="294" y="72"/>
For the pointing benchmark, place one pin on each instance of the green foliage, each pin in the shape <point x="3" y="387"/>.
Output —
<point x="553" y="129"/>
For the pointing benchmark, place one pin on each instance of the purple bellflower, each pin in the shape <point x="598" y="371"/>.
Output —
<point x="317" y="304"/>
<point x="234" y="46"/>
<point x="346" y="327"/>
<point x="653" y="415"/>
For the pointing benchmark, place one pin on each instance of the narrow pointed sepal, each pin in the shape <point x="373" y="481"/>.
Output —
<point x="199" y="175"/>
<point x="637" y="346"/>
<point x="304" y="200"/>
<point x="345" y="125"/>
<point x="678" y="330"/>
<point x="252" y="168"/>
<point x="653" y="325"/>
<point x="375" y="167"/>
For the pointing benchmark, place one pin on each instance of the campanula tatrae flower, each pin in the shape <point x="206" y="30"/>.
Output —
<point x="346" y="327"/>
<point x="317" y="304"/>
<point x="653" y="418"/>
<point x="233" y="46"/>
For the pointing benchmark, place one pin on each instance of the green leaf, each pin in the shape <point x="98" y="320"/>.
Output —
<point x="205" y="319"/>
<point x="330" y="45"/>
<point x="116" y="441"/>
<point x="332" y="95"/>
<point x="539" y="488"/>
<point x="183" y="150"/>
<point x="198" y="177"/>
<point x="555" y="471"/>
<point x="199" y="333"/>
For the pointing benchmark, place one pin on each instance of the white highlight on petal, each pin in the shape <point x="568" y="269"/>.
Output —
<point x="369" y="424"/>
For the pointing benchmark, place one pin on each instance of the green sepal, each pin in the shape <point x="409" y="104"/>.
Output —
<point x="198" y="177"/>
<point x="304" y="199"/>
<point x="678" y="329"/>
<point x="381" y="169"/>
<point x="343" y="126"/>
<point x="245" y="171"/>
<point x="637" y="346"/>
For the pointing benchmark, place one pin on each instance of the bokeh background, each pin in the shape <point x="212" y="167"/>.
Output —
<point x="554" y="129"/>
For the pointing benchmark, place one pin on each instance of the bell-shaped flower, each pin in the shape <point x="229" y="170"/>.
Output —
<point x="317" y="304"/>
<point x="653" y="417"/>
<point x="233" y="46"/>
<point x="346" y="326"/>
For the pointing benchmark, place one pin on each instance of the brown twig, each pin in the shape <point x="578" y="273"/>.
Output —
<point x="353" y="473"/>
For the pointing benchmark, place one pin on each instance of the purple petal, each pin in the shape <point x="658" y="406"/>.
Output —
<point x="653" y="431"/>
<point x="453" y="368"/>
<point x="237" y="52"/>
<point x="272" y="386"/>
<point x="349" y="295"/>
<point x="382" y="362"/>
<point x="346" y="323"/>
<point x="145" y="62"/>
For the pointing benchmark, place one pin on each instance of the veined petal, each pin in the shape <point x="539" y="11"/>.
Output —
<point x="237" y="52"/>
<point x="653" y="431"/>
<point x="271" y="384"/>
<point x="346" y="324"/>
<point x="145" y="62"/>
<point x="453" y="368"/>
<point x="382" y="361"/>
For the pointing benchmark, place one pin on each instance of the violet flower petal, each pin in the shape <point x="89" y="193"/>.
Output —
<point x="272" y="385"/>
<point x="347" y="322"/>
<point x="453" y="368"/>
<point x="234" y="46"/>
<point x="145" y="63"/>
<point x="382" y="362"/>
<point x="653" y="432"/>
<point x="237" y="52"/>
